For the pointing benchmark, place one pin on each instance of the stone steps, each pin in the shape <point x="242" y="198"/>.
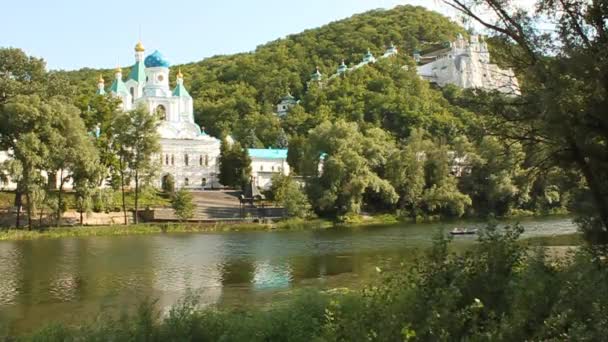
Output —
<point x="218" y="206"/>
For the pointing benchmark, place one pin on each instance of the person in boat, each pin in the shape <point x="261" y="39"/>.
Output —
<point x="457" y="230"/>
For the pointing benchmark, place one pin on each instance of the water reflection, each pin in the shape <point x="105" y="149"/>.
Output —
<point x="72" y="279"/>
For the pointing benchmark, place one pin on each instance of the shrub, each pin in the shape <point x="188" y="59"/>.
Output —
<point x="182" y="205"/>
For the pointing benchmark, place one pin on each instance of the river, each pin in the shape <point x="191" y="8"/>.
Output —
<point x="73" y="279"/>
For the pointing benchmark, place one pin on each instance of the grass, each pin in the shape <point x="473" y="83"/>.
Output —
<point x="574" y="239"/>
<point x="158" y="228"/>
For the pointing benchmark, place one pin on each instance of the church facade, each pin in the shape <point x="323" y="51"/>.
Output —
<point x="188" y="154"/>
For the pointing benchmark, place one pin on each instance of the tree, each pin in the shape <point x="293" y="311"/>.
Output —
<point x="235" y="165"/>
<point x="182" y="205"/>
<point x="138" y="141"/>
<point x="561" y="113"/>
<point x="352" y="161"/>
<point x="290" y="195"/>
<point x="20" y="74"/>
<point x="73" y="150"/>
<point x="168" y="185"/>
<point x="406" y="171"/>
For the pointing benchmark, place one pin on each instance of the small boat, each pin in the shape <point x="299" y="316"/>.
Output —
<point x="460" y="231"/>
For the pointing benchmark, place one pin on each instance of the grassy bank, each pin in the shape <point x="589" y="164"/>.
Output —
<point x="158" y="228"/>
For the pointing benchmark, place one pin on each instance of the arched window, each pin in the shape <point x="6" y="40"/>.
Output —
<point x="186" y="182"/>
<point x="172" y="160"/>
<point x="132" y="91"/>
<point x="200" y="160"/>
<point x="166" y="159"/>
<point x="261" y="167"/>
<point x="273" y="168"/>
<point x="161" y="111"/>
<point x="206" y="160"/>
<point x="186" y="159"/>
<point x="204" y="182"/>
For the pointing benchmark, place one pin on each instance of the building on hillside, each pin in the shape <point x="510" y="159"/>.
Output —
<point x="188" y="154"/>
<point x="466" y="64"/>
<point x="368" y="58"/>
<point x="287" y="102"/>
<point x="265" y="163"/>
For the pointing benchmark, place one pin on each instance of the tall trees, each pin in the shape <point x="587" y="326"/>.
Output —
<point x="137" y="142"/>
<point x="235" y="165"/>
<point x="352" y="160"/>
<point x="561" y="114"/>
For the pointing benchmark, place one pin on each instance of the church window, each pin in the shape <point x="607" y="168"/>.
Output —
<point x="206" y="160"/>
<point x="200" y="160"/>
<point x="172" y="160"/>
<point x="132" y="91"/>
<point x="186" y="159"/>
<point x="272" y="168"/>
<point x="204" y="182"/>
<point x="161" y="112"/>
<point x="166" y="159"/>
<point x="261" y="167"/>
<point x="160" y="78"/>
<point x="186" y="182"/>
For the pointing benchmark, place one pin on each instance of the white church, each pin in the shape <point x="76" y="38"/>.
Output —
<point x="188" y="154"/>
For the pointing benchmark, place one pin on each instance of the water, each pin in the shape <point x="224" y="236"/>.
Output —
<point x="73" y="279"/>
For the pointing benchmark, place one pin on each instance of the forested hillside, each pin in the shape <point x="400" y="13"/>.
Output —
<point x="390" y="142"/>
<point x="234" y="94"/>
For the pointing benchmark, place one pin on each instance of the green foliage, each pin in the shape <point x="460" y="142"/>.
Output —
<point x="352" y="160"/>
<point x="168" y="184"/>
<point x="235" y="165"/>
<point x="287" y="193"/>
<point x="183" y="205"/>
<point x="137" y="141"/>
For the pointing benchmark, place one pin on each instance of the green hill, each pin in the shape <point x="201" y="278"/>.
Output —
<point x="237" y="94"/>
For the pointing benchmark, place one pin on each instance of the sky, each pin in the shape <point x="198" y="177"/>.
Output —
<point x="72" y="34"/>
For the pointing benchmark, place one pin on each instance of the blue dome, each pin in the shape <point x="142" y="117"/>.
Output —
<point x="156" y="60"/>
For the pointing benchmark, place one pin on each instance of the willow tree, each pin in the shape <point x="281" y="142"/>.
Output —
<point x="352" y="162"/>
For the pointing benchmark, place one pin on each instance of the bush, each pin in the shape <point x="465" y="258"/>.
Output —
<point x="287" y="193"/>
<point x="168" y="184"/>
<point x="182" y="205"/>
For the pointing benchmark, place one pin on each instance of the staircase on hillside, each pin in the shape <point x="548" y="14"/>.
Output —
<point x="219" y="206"/>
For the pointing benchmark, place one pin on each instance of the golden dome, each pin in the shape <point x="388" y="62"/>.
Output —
<point x="100" y="79"/>
<point x="139" y="47"/>
<point x="179" y="73"/>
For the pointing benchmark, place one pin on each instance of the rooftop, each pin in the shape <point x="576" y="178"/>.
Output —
<point x="268" y="153"/>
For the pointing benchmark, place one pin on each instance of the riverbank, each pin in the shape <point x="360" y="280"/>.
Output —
<point x="287" y="224"/>
<point x="159" y="228"/>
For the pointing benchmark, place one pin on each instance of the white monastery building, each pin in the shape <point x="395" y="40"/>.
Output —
<point x="466" y="64"/>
